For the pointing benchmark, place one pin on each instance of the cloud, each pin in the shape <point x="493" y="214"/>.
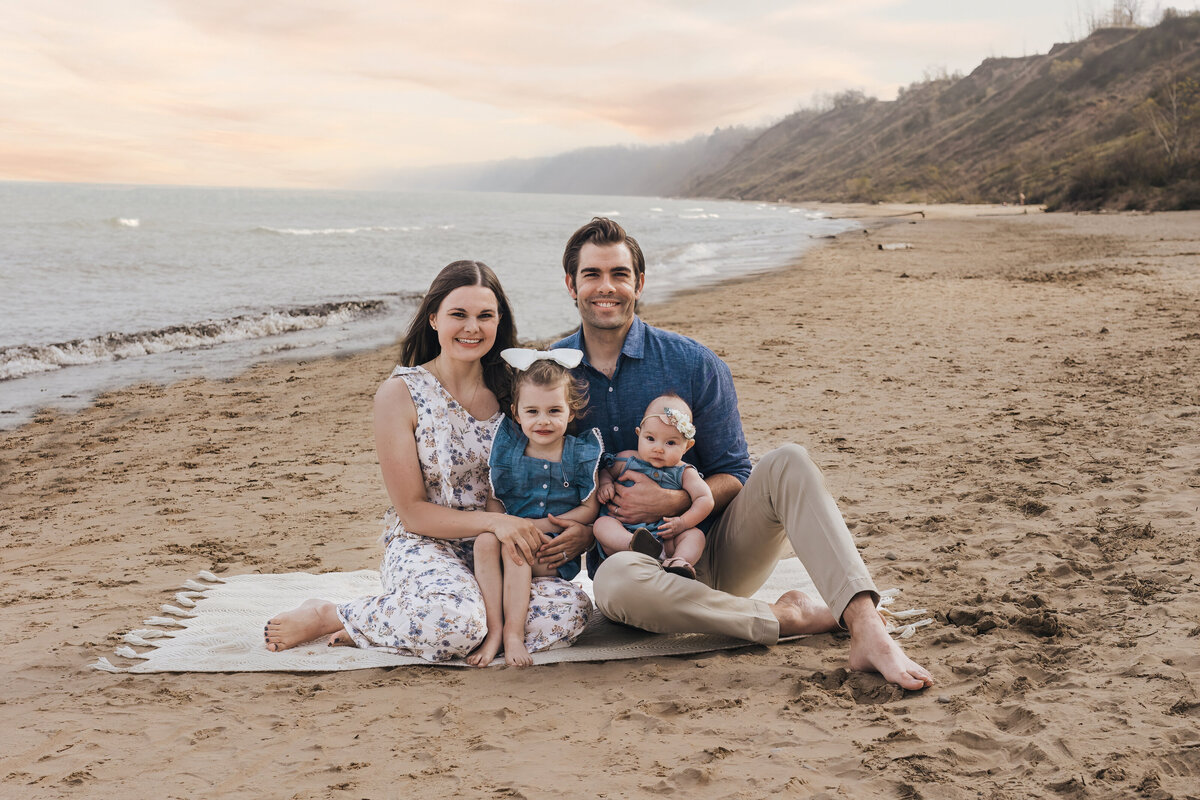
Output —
<point x="311" y="91"/>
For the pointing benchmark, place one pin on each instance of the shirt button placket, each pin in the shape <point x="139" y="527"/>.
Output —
<point x="612" y="402"/>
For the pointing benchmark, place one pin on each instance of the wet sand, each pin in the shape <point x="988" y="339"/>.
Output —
<point x="1007" y="412"/>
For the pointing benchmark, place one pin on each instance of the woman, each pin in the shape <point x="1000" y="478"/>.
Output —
<point x="434" y="422"/>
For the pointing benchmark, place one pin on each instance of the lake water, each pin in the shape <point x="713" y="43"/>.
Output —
<point x="104" y="286"/>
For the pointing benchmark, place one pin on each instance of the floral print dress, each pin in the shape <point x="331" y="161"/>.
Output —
<point x="431" y="606"/>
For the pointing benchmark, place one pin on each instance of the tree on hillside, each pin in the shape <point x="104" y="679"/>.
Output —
<point x="1174" y="116"/>
<point x="1117" y="14"/>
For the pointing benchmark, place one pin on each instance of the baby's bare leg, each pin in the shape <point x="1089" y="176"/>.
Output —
<point x="612" y="535"/>
<point x="517" y="579"/>
<point x="668" y="547"/>
<point x="688" y="545"/>
<point x="491" y="582"/>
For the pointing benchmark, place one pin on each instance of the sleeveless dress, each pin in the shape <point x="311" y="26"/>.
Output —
<point x="431" y="606"/>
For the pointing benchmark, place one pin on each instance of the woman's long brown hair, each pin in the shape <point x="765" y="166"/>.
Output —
<point x="421" y="341"/>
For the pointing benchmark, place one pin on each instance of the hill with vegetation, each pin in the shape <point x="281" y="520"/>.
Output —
<point x="1111" y="121"/>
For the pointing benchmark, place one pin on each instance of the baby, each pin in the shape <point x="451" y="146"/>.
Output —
<point x="666" y="433"/>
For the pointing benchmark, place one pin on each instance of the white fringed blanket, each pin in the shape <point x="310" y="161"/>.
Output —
<point x="216" y="624"/>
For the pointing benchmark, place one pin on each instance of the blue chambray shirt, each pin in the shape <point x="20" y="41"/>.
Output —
<point x="654" y="361"/>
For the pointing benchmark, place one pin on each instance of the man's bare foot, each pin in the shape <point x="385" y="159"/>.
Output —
<point x="872" y="649"/>
<point x="482" y="656"/>
<point x="800" y="614"/>
<point x="515" y="654"/>
<point x="309" y="620"/>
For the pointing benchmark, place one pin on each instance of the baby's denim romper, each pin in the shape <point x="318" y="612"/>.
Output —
<point x="666" y="477"/>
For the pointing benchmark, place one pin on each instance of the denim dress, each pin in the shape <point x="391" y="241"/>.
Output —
<point x="534" y="487"/>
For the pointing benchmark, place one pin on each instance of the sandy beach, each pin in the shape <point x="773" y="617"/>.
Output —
<point x="1007" y="410"/>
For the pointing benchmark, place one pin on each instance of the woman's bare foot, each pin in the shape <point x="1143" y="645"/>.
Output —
<point x="515" y="654"/>
<point x="800" y="614"/>
<point x="342" y="639"/>
<point x="482" y="656"/>
<point x="309" y="620"/>
<point x="872" y="649"/>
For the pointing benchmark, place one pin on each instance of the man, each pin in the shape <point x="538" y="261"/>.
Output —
<point x="626" y="364"/>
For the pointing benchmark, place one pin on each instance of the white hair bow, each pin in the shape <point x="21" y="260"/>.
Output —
<point x="522" y="358"/>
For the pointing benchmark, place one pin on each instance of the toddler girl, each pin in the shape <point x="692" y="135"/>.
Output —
<point x="539" y="472"/>
<point x="666" y="433"/>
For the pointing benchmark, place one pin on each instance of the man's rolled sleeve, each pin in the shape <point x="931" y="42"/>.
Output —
<point x="720" y="443"/>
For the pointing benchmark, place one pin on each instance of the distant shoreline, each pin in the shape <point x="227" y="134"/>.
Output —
<point x="156" y="285"/>
<point x="867" y="215"/>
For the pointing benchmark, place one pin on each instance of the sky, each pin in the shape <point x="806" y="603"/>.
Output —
<point x="328" y="93"/>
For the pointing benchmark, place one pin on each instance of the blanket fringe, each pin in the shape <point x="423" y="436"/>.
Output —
<point x="886" y="598"/>
<point x="128" y="652"/>
<point x="179" y="612"/>
<point x="908" y="630"/>
<point x="142" y="636"/>
<point x="133" y="638"/>
<point x="912" y="612"/>
<point x="149" y="633"/>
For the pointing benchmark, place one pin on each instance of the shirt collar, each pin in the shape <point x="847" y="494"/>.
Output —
<point x="635" y="340"/>
<point x="633" y="347"/>
<point x="575" y="340"/>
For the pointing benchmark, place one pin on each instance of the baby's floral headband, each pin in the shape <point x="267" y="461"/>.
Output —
<point x="677" y="419"/>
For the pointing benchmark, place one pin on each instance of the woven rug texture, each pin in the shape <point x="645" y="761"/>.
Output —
<point x="215" y="625"/>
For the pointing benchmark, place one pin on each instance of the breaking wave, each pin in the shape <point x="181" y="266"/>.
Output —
<point x="21" y="360"/>
<point x="337" y="231"/>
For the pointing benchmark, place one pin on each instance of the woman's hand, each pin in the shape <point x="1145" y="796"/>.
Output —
<point x="574" y="539"/>
<point x="519" y="538"/>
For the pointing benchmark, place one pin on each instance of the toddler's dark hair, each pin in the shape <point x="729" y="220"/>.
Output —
<point x="549" y="375"/>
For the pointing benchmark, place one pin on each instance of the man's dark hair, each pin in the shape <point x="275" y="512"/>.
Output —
<point x="601" y="231"/>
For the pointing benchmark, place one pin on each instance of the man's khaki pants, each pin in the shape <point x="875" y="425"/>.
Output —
<point x="785" y="500"/>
